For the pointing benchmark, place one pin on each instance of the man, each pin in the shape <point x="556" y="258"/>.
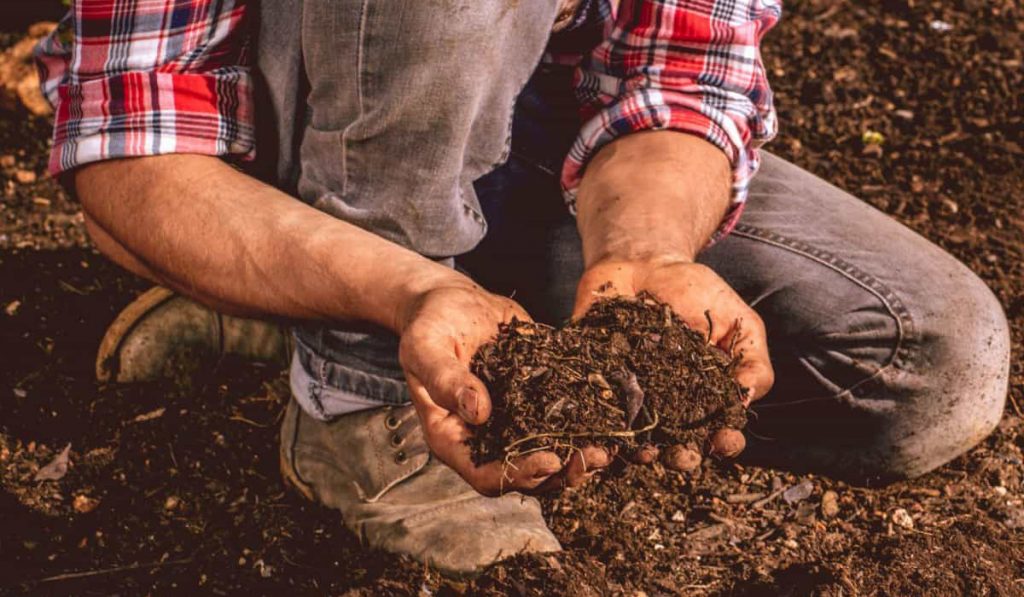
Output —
<point x="414" y="154"/>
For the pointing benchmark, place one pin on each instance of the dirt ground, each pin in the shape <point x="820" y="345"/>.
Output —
<point x="171" y="491"/>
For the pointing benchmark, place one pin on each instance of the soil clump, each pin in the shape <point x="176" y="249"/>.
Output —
<point x="626" y="374"/>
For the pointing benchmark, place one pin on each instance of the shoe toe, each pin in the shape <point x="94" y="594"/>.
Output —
<point x="474" y="534"/>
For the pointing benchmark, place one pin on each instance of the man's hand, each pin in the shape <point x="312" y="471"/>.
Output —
<point x="440" y="332"/>
<point x="694" y="292"/>
<point x="647" y="204"/>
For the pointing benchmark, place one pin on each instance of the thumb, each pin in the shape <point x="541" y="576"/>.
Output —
<point x="447" y="381"/>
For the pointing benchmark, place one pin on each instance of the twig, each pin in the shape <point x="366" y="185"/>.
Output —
<point x="242" y="419"/>
<point x="88" y="573"/>
<point x="771" y="497"/>
<point x="581" y="434"/>
<point x="1016" y="407"/>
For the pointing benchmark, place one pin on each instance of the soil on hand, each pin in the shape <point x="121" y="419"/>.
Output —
<point x="628" y="373"/>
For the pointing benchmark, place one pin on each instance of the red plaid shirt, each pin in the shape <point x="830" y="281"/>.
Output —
<point x="131" y="78"/>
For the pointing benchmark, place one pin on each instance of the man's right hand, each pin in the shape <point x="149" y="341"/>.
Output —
<point x="440" y="332"/>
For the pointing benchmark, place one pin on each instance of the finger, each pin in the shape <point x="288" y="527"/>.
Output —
<point x="681" y="458"/>
<point x="584" y="463"/>
<point x="757" y="376"/>
<point x="754" y="371"/>
<point x="727" y="443"/>
<point x="527" y="473"/>
<point x="446" y="380"/>
<point x="645" y="454"/>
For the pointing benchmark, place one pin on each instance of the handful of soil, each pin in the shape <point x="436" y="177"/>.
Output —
<point x="628" y="373"/>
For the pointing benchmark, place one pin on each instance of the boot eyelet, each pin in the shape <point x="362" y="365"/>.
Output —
<point x="391" y="422"/>
<point x="397" y="440"/>
<point x="401" y="458"/>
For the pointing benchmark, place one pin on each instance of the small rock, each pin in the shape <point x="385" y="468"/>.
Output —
<point x="940" y="26"/>
<point x="799" y="492"/>
<point x="12" y="308"/>
<point x="41" y="201"/>
<point x="1014" y="519"/>
<point x="171" y="503"/>
<point x="7" y="161"/>
<point x="901" y="518"/>
<point x="678" y="516"/>
<point x="904" y="114"/>
<point x="84" y="504"/>
<point x="949" y="207"/>
<point x="265" y="570"/>
<point x="790" y="543"/>
<point x="829" y="504"/>
<point x="57" y="468"/>
<point x="870" y="137"/>
<point x="1000" y="490"/>
<point x="25" y="176"/>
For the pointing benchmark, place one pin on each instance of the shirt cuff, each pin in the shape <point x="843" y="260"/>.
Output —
<point x="652" y="110"/>
<point x="151" y="113"/>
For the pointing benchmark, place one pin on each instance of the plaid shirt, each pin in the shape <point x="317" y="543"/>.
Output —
<point x="132" y="78"/>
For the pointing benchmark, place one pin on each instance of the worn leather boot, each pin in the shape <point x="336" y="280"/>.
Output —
<point x="164" y="335"/>
<point x="376" y="468"/>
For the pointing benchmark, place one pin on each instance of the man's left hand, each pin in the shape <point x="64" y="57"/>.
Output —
<point x="694" y="292"/>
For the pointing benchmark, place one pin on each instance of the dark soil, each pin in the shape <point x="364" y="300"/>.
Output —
<point x="626" y="374"/>
<point x="179" y="491"/>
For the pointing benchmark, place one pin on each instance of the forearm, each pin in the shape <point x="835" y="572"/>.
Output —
<point x="197" y="225"/>
<point x="652" y="195"/>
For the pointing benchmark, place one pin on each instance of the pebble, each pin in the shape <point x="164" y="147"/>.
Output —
<point x="172" y="502"/>
<point x="25" y="176"/>
<point x="7" y="161"/>
<point x="799" y="492"/>
<point x="901" y="518"/>
<point x="84" y="504"/>
<point x="830" y="504"/>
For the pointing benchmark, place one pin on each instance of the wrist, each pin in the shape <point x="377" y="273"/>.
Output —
<point x="420" y="282"/>
<point x="647" y="257"/>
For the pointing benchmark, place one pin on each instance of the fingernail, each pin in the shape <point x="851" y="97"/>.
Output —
<point x="468" y="403"/>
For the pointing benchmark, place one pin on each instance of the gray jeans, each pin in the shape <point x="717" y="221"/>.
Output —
<point x="891" y="357"/>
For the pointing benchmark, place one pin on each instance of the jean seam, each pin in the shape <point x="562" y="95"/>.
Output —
<point x="905" y="328"/>
<point x="360" y="98"/>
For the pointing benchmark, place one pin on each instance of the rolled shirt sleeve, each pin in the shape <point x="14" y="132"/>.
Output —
<point x="131" y="79"/>
<point x="690" y="66"/>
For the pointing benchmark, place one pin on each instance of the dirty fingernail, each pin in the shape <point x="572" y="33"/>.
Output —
<point x="468" y="404"/>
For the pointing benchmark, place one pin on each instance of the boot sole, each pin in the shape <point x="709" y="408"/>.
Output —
<point x="107" y="362"/>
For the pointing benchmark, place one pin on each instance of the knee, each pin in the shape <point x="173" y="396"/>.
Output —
<point x="955" y="379"/>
